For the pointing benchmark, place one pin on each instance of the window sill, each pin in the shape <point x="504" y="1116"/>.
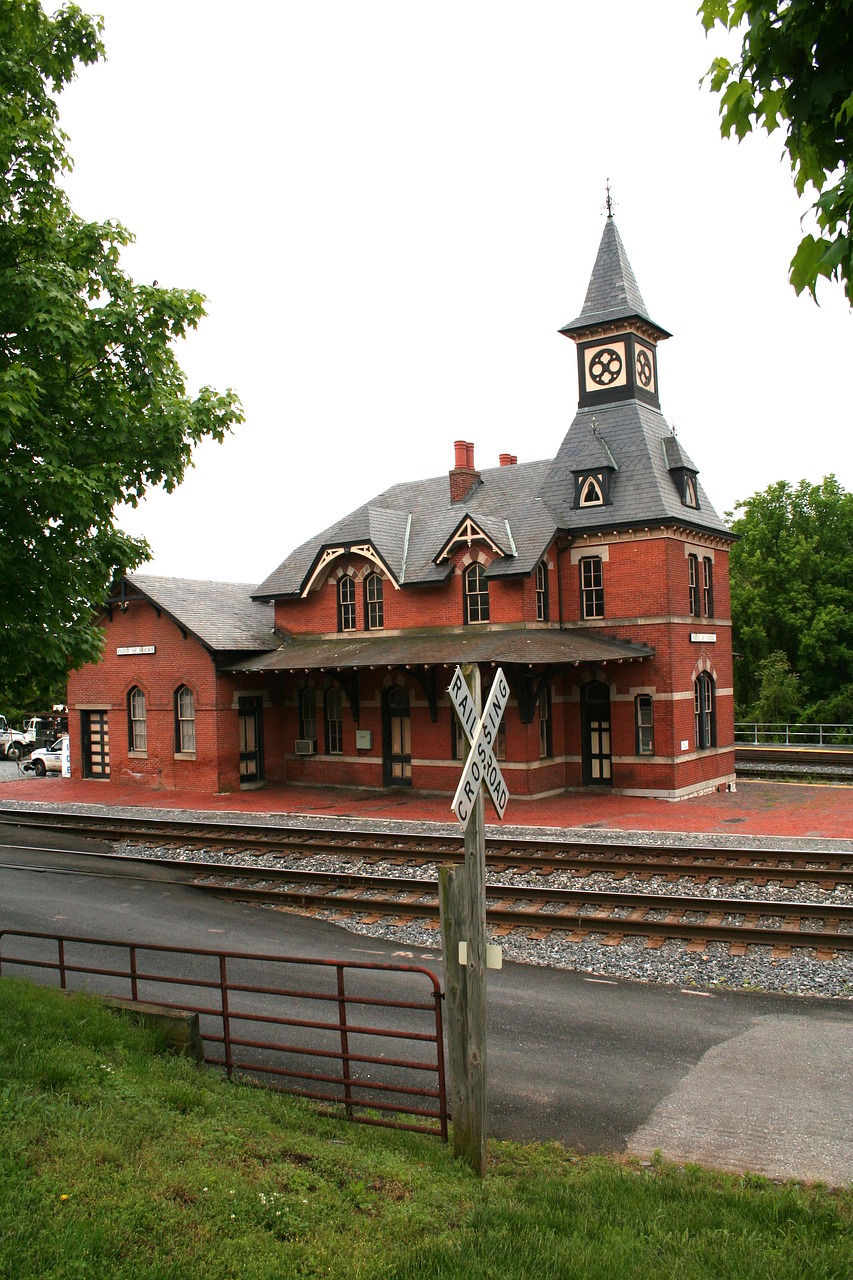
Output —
<point x="185" y="755"/>
<point x="137" y="755"/>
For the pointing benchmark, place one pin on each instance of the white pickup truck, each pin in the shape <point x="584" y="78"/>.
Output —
<point x="13" y="743"/>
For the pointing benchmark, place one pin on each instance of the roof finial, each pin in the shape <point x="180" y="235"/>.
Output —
<point x="608" y="202"/>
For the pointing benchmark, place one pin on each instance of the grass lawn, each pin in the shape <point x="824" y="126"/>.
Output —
<point x="118" y="1160"/>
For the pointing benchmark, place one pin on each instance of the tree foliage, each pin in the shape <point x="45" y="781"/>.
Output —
<point x="792" y="601"/>
<point x="796" y="72"/>
<point x="93" y="403"/>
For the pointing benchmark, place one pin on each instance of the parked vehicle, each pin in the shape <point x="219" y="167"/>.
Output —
<point x="47" y="759"/>
<point x="13" y="743"/>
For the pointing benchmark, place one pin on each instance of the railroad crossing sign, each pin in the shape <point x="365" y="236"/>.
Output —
<point x="481" y="765"/>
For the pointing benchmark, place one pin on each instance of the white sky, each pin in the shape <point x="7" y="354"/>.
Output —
<point x="392" y="207"/>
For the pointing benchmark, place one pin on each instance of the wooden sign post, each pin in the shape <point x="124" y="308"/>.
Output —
<point x="462" y="893"/>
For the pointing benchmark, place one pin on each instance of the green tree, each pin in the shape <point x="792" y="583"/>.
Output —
<point x="778" y="698"/>
<point x="796" y="72"/>
<point x="93" y="403"/>
<point x="792" y="595"/>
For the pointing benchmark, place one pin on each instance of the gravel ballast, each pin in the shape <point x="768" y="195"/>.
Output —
<point x="670" y="963"/>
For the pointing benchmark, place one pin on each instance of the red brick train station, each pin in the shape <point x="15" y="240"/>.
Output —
<point x="597" y="580"/>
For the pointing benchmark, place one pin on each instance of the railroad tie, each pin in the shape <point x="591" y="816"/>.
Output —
<point x="505" y="904"/>
<point x="654" y="941"/>
<point x="540" y="932"/>
<point x="612" y="939"/>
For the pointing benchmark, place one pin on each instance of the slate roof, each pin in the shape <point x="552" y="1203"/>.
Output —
<point x="417" y="519"/>
<point x="510" y="645"/>
<point x="222" y="615"/>
<point x="613" y="292"/>
<point x="642" y="490"/>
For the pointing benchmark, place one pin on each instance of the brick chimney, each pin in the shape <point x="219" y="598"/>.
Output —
<point x="508" y="459"/>
<point x="464" y="475"/>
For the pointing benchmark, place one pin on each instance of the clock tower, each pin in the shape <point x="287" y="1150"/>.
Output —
<point x="616" y="339"/>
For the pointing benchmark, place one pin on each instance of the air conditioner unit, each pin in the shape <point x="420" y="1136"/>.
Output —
<point x="305" y="746"/>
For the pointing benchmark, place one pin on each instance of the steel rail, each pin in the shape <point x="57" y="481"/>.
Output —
<point x="542" y="856"/>
<point x="537" y="906"/>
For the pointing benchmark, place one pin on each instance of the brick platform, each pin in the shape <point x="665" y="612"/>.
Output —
<point x="756" y="809"/>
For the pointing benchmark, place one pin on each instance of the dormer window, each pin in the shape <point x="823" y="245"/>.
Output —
<point x="684" y="478"/>
<point x="592" y="488"/>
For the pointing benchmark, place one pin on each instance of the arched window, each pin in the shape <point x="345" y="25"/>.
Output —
<point x="475" y="590"/>
<point x="693" y="585"/>
<point x="542" y="591"/>
<point x="591" y="495"/>
<point x="308" y="713"/>
<point x="374" y="605"/>
<point x="184" y="719"/>
<point x="136" y="721"/>
<point x="705" y="708"/>
<point x="346" y="604"/>
<point x="708" y="586"/>
<point x="334" y="721"/>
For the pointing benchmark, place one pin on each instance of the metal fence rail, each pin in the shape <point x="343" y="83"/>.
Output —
<point x="327" y="1052"/>
<point x="793" y="735"/>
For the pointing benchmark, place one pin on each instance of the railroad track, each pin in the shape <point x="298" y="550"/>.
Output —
<point x="775" y="760"/>
<point x="519" y="854"/>
<point x="539" y="909"/>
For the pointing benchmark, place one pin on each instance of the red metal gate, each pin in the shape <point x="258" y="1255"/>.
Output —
<point x="336" y="1059"/>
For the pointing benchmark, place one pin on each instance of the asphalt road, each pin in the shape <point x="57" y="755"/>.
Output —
<point x="738" y="1081"/>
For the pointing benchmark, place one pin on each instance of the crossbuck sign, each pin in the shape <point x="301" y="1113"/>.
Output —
<point x="481" y="765"/>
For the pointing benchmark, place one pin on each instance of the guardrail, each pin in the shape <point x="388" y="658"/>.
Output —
<point x="368" y="1086"/>
<point x="793" y="735"/>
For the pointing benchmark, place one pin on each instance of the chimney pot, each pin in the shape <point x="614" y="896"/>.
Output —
<point x="469" y="451"/>
<point x="505" y="459"/>
<point x="460" y="449"/>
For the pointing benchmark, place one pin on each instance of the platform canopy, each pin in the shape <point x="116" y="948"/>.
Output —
<point x="519" y="646"/>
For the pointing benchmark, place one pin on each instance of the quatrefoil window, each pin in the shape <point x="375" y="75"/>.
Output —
<point x="605" y="366"/>
<point x="644" y="368"/>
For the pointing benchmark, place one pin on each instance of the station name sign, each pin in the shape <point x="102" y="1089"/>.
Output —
<point x="131" y="650"/>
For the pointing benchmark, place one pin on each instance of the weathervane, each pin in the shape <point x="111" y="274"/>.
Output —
<point x="608" y="202"/>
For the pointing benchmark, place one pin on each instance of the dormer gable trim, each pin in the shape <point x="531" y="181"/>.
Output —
<point x="592" y="487"/>
<point x="327" y="555"/>
<point x="468" y="531"/>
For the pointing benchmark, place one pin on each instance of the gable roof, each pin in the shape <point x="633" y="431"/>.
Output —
<point x="222" y="615"/>
<point x="419" y="519"/>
